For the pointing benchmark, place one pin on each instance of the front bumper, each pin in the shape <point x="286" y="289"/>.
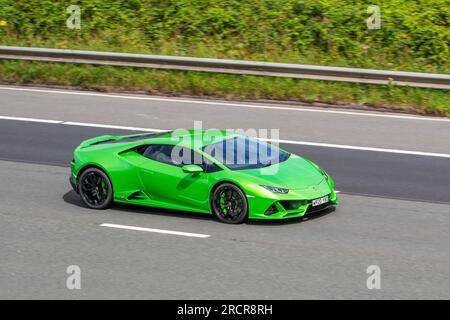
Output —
<point x="282" y="213"/>
<point x="297" y="203"/>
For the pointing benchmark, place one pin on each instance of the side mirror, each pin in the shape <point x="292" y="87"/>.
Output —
<point x="192" y="168"/>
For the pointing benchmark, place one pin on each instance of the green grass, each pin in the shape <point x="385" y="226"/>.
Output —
<point x="236" y="87"/>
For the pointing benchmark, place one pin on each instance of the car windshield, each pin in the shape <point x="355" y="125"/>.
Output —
<point x="241" y="153"/>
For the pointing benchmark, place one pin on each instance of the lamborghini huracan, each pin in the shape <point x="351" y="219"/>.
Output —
<point x="232" y="176"/>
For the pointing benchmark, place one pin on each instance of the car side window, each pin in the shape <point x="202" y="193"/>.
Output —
<point x="189" y="156"/>
<point x="209" y="166"/>
<point x="179" y="157"/>
<point x="158" y="152"/>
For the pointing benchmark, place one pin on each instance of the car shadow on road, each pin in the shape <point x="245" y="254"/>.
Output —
<point x="72" y="198"/>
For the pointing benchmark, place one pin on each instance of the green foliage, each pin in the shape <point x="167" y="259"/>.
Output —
<point x="415" y="34"/>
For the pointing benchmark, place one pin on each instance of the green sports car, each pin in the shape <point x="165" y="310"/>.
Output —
<point x="232" y="176"/>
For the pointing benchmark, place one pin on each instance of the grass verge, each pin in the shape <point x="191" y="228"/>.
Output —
<point x="235" y="87"/>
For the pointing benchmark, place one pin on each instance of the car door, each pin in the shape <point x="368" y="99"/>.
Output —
<point x="164" y="180"/>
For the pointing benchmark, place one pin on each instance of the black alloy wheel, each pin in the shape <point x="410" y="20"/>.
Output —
<point x="229" y="203"/>
<point x="95" y="189"/>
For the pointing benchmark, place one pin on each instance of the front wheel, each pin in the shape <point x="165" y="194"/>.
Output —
<point x="229" y="203"/>
<point x="95" y="189"/>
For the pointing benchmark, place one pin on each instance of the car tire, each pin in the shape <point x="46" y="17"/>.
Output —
<point x="95" y="189"/>
<point x="229" y="203"/>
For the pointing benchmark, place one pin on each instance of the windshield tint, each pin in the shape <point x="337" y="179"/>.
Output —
<point x="245" y="153"/>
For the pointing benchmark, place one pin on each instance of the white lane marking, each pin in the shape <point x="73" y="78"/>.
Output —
<point x="81" y="124"/>
<point x="29" y="119"/>
<point x="341" y="146"/>
<point x="237" y="105"/>
<point x="185" y="234"/>
<point x="335" y="191"/>
<point x="306" y="143"/>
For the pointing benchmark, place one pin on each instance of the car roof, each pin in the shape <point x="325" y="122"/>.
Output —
<point x="191" y="138"/>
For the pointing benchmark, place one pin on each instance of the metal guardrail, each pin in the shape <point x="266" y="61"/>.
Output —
<point x="413" y="79"/>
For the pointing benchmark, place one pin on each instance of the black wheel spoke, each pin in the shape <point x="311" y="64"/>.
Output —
<point x="94" y="188"/>
<point x="227" y="202"/>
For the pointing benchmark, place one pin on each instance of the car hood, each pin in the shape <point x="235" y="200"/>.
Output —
<point x="295" y="173"/>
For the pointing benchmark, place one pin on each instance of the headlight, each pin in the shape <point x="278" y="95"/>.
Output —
<point x="276" y="189"/>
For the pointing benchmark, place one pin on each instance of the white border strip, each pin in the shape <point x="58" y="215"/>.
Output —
<point x="237" y="105"/>
<point x="306" y="143"/>
<point x="177" y="233"/>
<point x="30" y="120"/>
<point x="95" y="125"/>
<point x="341" y="146"/>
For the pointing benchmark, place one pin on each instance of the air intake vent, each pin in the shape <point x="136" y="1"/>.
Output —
<point x="138" y="195"/>
<point x="272" y="209"/>
<point x="292" y="204"/>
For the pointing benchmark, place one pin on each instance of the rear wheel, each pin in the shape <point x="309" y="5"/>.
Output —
<point x="229" y="203"/>
<point x="95" y="189"/>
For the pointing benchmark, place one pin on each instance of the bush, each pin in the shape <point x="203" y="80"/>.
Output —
<point x="415" y="35"/>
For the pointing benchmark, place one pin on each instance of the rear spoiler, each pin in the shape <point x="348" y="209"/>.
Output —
<point x="97" y="140"/>
<point x="124" y="139"/>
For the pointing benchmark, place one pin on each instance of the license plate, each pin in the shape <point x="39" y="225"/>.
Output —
<point x="320" y="201"/>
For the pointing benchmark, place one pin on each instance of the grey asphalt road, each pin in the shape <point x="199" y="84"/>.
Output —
<point x="383" y="130"/>
<point x="44" y="228"/>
